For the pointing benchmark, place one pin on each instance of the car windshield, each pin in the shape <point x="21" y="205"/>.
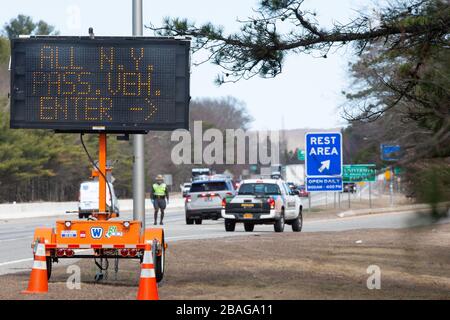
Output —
<point x="209" y="186"/>
<point x="259" y="188"/>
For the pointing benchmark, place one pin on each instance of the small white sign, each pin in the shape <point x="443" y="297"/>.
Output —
<point x="68" y="233"/>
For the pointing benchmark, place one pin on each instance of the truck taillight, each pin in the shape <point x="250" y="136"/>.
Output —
<point x="271" y="202"/>
<point x="224" y="203"/>
<point x="188" y="198"/>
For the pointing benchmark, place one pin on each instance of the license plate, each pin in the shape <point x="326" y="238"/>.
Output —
<point x="247" y="205"/>
<point x="248" y="216"/>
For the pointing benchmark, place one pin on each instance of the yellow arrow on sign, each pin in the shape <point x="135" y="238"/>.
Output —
<point x="150" y="108"/>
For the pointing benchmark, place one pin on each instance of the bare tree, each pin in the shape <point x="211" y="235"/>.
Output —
<point x="260" y="48"/>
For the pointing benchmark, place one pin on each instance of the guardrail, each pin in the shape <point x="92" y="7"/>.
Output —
<point x="46" y="209"/>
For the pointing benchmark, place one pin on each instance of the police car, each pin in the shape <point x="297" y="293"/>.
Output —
<point x="263" y="201"/>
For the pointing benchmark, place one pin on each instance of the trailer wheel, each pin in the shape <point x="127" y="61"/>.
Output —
<point x="160" y="262"/>
<point x="198" y="221"/>
<point x="49" y="267"/>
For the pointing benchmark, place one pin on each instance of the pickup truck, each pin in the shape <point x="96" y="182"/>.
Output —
<point x="263" y="201"/>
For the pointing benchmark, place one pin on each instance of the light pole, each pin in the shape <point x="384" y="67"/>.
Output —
<point x="138" y="140"/>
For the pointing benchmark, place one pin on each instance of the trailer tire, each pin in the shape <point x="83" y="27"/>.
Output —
<point x="198" y="221"/>
<point x="48" y="262"/>
<point x="160" y="263"/>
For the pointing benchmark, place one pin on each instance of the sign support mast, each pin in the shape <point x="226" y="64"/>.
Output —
<point x="138" y="140"/>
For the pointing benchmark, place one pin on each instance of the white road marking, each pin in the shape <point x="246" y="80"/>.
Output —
<point x="31" y="259"/>
<point x="15" y="261"/>
<point x="15" y="239"/>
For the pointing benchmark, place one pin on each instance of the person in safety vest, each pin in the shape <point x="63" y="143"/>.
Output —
<point x="159" y="194"/>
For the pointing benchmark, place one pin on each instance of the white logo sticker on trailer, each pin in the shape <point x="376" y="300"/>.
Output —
<point x="68" y="233"/>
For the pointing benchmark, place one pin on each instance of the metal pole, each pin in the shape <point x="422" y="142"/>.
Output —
<point x="348" y="193"/>
<point x="309" y="202"/>
<point x="334" y="201"/>
<point x="391" y="187"/>
<point x="138" y="140"/>
<point x="339" y="200"/>
<point x="370" y="194"/>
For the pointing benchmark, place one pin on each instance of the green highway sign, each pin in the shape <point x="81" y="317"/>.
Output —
<point x="301" y="154"/>
<point x="359" y="172"/>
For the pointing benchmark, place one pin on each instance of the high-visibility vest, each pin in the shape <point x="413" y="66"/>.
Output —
<point x="159" y="189"/>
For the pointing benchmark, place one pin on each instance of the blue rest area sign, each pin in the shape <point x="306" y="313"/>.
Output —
<point x="323" y="154"/>
<point x="323" y="160"/>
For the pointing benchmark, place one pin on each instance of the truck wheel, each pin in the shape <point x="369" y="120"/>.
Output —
<point x="198" y="221"/>
<point x="230" y="225"/>
<point x="279" y="224"/>
<point x="249" y="227"/>
<point x="49" y="267"/>
<point x="160" y="263"/>
<point x="189" y="220"/>
<point x="297" y="224"/>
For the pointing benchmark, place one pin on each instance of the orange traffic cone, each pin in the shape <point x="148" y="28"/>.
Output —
<point x="148" y="290"/>
<point x="38" y="280"/>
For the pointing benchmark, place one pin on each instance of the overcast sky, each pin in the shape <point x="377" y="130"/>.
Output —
<point x="306" y="95"/>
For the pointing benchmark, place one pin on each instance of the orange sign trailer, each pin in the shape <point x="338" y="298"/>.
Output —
<point x="104" y="237"/>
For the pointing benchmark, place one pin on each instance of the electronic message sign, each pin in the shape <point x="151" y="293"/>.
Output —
<point x="108" y="84"/>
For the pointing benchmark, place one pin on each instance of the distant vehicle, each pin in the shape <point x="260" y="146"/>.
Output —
<point x="200" y="173"/>
<point x="88" y="199"/>
<point x="350" y="187"/>
<point x="295" y="173"/>
<point x="263" y="201"/>
<point x="204" y="200"/>
<point x="275" y="175"/>
<point x="302" y="191"/>
<point x="201" y="177"/>
<point x="292" y="185"/>
<point x="185" y="188"/>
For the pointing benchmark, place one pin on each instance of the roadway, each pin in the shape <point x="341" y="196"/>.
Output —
<point x="16" y="235"/>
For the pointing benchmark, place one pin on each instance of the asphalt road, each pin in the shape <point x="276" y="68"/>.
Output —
<point x="16" y="235"/>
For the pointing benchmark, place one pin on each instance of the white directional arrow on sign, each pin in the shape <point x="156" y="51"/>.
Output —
<point x="325" y="165"/>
